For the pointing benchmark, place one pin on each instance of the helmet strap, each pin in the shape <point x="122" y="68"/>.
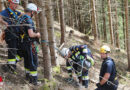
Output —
<point x="31" y="13"/>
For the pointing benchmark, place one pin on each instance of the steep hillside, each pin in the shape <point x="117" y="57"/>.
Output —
<point x="119" y="56"/>
<point x="18" y="82"/>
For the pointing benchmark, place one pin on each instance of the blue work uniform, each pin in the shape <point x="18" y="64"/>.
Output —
<point x="78" y="55"/>
<point x="11" y="37"/>
<point x="28" y="48"/>
<point x="108" y="66"/>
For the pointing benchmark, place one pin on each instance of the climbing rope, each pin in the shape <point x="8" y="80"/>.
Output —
<point x="44" y="41"/>
<point x="90" y="71"/>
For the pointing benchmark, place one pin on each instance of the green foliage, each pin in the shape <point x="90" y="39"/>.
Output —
<point x="58" y="34"/>
<point x="49" y="85"/>
<point x="56" y="69"/>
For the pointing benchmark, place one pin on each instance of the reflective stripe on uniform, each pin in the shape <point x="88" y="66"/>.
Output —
<point x="27" y="70"/>
<point x="73" y="57"/>
<point x="77" y="53"/>
<point x="78" y="74"/>
<point x="70" y="60"/>
<point x="18" y="57"/>
<point x="85" y="77"/>
<point x="85" y="51"/>
<point x="33" y="73"/>
<point x="90" y="59"/>
<point x="11" y="61"/>
<point x="69" y="68"/>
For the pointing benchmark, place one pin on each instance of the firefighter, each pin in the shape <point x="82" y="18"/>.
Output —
<point x="107" y="71"/>
<point x="28" y="38"/>
<point x="9" y="16"/>
<point x="78" y="58"/>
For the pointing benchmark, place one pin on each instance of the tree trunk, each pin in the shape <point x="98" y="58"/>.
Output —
<point x="50" y="26"/>
<point x="76" y="14"/>
<point x="127" y="33"/>
<point x="37" y="20"/>
<point x="68" y="13"/>
<point x="25" y="3"/>
<point x="57" y="13"/>
<point x="94" y="21"/>
<point x="71" y="14"/>
<point x="62" y="21"/>
<point x="79" y="16"/>
<point x="110" y="22"/>
<point x="104" y="21"/>
<point x="123" y="22"/>
<point x="1" y="5"/>
<point x="116" y="24"/>
<point x="44" y="39"/>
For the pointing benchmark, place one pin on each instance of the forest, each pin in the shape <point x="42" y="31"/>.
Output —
<point x="63" y="24"/>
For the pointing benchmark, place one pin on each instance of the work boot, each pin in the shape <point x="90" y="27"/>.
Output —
<point x="18" y="59"/>
<point x="85" y="83"/>
<point x="86" y="86"/>
<point x="34" y="80"/>
<point x="27" y="76"/>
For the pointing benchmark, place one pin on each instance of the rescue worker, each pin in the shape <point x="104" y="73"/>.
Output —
<point x="27" y="40"/>
<point x="78" y="57"/>
<point x="107" y="72"/>
<point x="9" y="16"/>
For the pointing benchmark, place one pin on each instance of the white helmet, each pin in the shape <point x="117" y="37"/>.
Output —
<point x="32" y="7"/>
<point x="64" y="52"/>
<point x="14" y="1"/>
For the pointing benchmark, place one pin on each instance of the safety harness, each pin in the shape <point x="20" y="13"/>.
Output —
<point x="22" y="20"/>
<point x="11" y="19"/>
<point x="113" y="65"/>
<point x="78" y="58"/>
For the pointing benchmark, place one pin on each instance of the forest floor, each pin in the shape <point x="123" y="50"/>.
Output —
<point x="18" y="82"/>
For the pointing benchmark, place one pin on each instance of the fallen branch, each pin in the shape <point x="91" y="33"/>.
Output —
<point x="61" y="45"/>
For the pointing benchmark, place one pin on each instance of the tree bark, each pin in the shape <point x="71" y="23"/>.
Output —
<point x="94" y="21"/>
<point x="1" y="5"/>
<point x="104" y="21"/>
<point x="25" y="3"/>
<point x="50" y="27"/>
<point x="123" y="22"/>
<point x="116" y="28"/>
<point x="110" y="22"/>
<point x="127" y="33"/>
<point x="62" y="21"/>
<point x="44" y="39"/>
<point x="56" y="10"/>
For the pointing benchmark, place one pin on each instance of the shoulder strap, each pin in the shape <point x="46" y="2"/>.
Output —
<point x="10" y="12"/>
<point x="114" y="65"/>
<point x="22" y="19"/>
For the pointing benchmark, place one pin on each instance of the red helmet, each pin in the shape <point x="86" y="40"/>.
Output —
<point x="14" y="1"/>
